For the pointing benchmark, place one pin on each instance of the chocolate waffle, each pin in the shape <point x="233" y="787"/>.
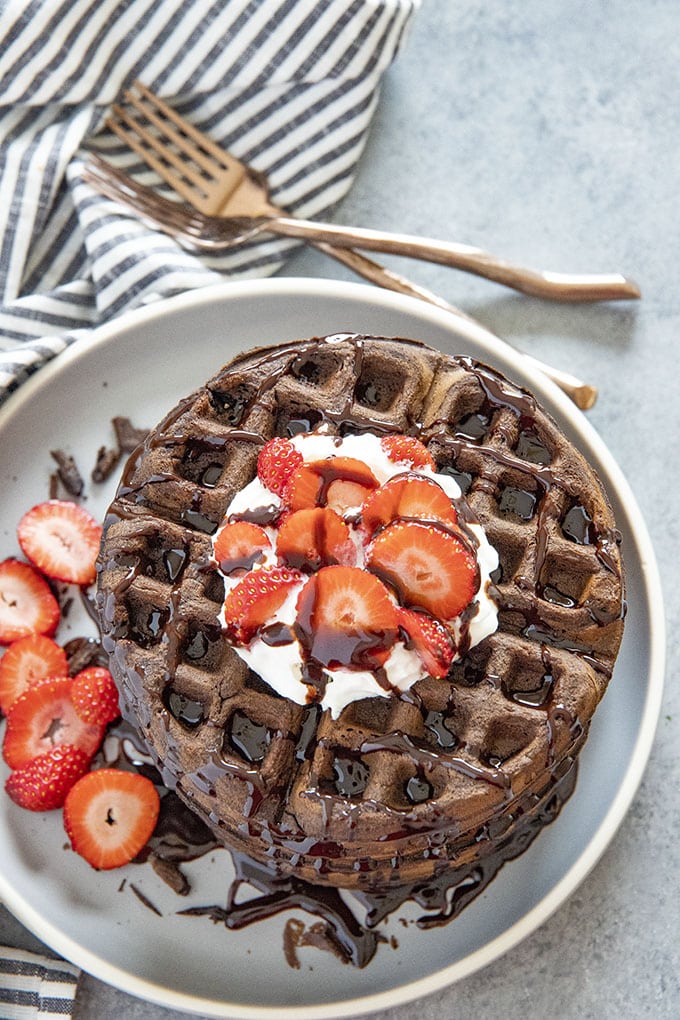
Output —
<point x="399" y="790"/>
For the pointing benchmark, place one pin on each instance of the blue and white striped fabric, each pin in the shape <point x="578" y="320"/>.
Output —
<point x="33" y="986"/>
<point x="288" y="85"/>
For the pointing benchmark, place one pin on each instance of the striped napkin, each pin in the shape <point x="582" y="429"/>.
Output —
<point x="290" y="86"/>
<point x="34" y="986"/>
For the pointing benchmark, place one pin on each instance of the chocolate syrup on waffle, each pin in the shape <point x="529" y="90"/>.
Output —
<point x="518" y="818"/>
<point x="181" y="837"/>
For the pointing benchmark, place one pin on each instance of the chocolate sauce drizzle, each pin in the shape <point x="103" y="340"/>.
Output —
<point x="181" y="837"/>
<point x="518" y="819"/>
<point x="443" y="897"/>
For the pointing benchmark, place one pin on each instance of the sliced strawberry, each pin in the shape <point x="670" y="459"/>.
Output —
<point x="61" y="539"/>
<point x="345" y="617"/>
<point x="27" y="605"/>
<point x="410" y="496"/>
<point x="303" y="488"/>
<point x="43" y="784"/>
<point x="109" y="816"/>
<point x="314" y="538"/>
<point x="255" y="598"/>
<point x="428" y="567"/>
<point x="26" y="661"/>
<point x="338" y="482"/>
<point x="239" y="546"/>
<point x="407" y="450"/>
<point x="95" y="696"/>
<point x="44" y="717"/>
<point x="276" y="462"/>
<point x="430" y="640"/>
<point x="344" y="495"/>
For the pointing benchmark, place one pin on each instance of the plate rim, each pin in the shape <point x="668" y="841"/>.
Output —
<point x="358" y="293"/>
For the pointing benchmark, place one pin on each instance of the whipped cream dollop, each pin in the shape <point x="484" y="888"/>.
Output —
<point x="283" y="665"/>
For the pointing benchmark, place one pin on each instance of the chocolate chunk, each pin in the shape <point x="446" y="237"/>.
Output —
<point x="105" y="464"/>
<point x="129" y="437"/>
<point x="83" y="652"/>
<point x="171" y="874"/>
<point x="68" y="473"/>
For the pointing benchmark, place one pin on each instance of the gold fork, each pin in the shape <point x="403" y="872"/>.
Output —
<point x="218" y="185"/>
<point x="182" y="155"/>
<point x="174" y="218"/>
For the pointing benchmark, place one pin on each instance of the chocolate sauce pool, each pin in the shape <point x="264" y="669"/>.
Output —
<point x="181" y="837"/>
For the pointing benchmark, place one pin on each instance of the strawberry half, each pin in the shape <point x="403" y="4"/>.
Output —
<point x="276" y="462"/>
<point x="407" y="450"/>
<point x="345" y="617"/>
<point x="337" y="482"/>
<point x="255" y="598"/>
<point x="428" y="567"/>
<point x="26" y="661"/>
<point x="44" y="783"/>
<point x="61" y="539"/>
<point x="95" y="696"/>
<point x="409" y="496"/>
<point x="27" y="605"/>
<point x="239" y="546"/>
<point x="44" y="717"/>
<point x="109" y="816"/>
<point x="430" y="639"/>
<point x="314" y="538"/>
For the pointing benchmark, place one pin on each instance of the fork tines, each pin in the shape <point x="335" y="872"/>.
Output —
<point x="189" y="161"/>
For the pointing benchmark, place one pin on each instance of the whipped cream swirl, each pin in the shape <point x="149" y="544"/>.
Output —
<point x="282" y="666"/>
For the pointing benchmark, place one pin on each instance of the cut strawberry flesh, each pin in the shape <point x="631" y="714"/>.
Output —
<point x="345" y="617"/>
<point x="430" y="639"/>
<point x="239" y="546"/>
<point x="314" y="538"/>
<point x="407" y="496"/>
<point x="44" y="717"/>
<point x="27" y="661"/>
<point x="61" y="539"/>
<point x="344" y="495"/>
<point x="255" y="598"/>
<point x="303" y="489"/>
<point x="317" y="484"/>
<point x="427" y="566"/>
<point x="27" y="605"/>
<point x="109" y="816"/>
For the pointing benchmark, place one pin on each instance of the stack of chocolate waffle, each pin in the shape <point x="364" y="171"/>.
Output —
<point x="412" y="791"/>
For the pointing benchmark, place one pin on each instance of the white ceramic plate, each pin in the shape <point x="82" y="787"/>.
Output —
<point x="140" y="366"/>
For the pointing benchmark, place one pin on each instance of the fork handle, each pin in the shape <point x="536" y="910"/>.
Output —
<point x="582" y="394"/>
<point x="556" y="286"/>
